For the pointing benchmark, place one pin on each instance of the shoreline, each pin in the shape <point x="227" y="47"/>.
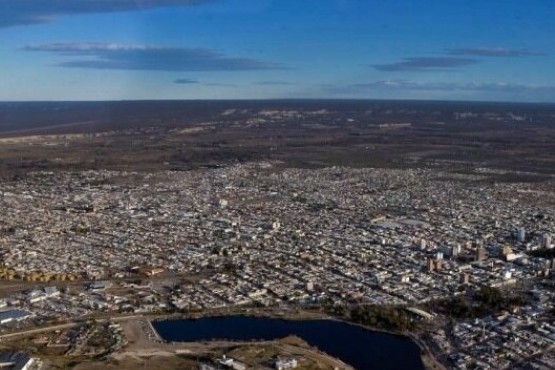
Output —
<point x="427" y="357"/>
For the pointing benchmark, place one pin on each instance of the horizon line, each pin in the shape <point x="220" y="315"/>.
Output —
<point x="285" y="100"/>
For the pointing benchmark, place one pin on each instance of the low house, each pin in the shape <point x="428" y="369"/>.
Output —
<point x="286" y="364"/>
<point x="16" y="361"/>
<point x="14" y="315"/>
<point x="232" y="364"/>
<point x="98" y="286"/>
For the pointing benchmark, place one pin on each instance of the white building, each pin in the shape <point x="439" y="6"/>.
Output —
<point x="286" y="364"/>
<point x="14" y="315"/>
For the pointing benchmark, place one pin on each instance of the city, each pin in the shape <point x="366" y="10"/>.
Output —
<point x="277" y="184"/>
<point x="257" y="235"/>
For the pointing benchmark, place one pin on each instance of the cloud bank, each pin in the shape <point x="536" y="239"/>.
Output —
<point x="493" y="52"/>
<point x="455" y="59"/>
<point x="148" y="58"/>
<point x="273" y="83"/>
<point x="185" y="81"/>
<point x="26" y="12"/>
<point x="426" y="64"/>
<point x="405" y="85"/>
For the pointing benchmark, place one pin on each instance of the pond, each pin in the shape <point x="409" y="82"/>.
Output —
<point x="356" y="346"/>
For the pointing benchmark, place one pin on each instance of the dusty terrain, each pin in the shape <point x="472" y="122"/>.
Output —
<point x="141" y="346"/>
<point x="185" y="135"/>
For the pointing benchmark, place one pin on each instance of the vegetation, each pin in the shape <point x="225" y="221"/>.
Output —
<point x="486" y="301"/>
<point x="383" y="317"/>
<point x="150" y="136"/>
<point x="543" y="253"/>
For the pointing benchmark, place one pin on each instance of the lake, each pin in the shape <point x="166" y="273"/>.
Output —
<point x="358" y="347"/>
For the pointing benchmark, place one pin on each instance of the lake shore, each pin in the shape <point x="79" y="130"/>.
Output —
<point x="428" y="358"/>
<point x="332" y="336"/>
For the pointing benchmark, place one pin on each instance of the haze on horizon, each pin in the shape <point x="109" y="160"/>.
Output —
<point x="245" y="49"/>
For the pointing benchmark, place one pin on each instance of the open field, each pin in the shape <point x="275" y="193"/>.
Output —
<point x="143" y="350"/>
<point x="187" y="135"/>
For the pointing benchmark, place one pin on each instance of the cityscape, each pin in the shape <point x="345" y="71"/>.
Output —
<point x="277" y="184"/>
<point x="99" y="244"/>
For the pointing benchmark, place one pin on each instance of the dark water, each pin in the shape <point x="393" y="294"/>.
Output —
<point x="363" y="349"/>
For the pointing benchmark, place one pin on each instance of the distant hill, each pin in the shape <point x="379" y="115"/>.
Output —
<point x="82" y="117"/>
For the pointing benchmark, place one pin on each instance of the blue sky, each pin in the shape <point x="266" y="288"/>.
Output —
<point x="241" y="49"/>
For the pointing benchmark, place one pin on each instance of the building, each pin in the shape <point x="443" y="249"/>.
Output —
<point x="231" y="363"/>
<point x="420" y="313"/>
<point x="451" y="251"/>
<point x="16" y="361"/>
<point x="377" y="219"/>
<point x="506" y="250"/>
<point x="464" y="278"/>
<point x="430" y="265"/>
<point x="481" y="254"/>
<point x="43" y="294"/>
<point x="546" y="240"/>
<point x="14" y="315"/>
<point x="286" y="364"/>
<point x="521" y="234"/>
<point x="439" y="265"/>
<point x="152" y="271"/>
<point x="99" y="286"/>
<point x="434" y="265"/>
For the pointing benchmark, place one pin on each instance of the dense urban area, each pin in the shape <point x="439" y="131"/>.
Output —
<point x="460" y="258"/>
<point x="256" y="236"/>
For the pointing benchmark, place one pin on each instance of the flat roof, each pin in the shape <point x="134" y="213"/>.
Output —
<point x="14" y="314"/>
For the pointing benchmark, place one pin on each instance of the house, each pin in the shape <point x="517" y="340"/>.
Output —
<point x="99" y="286"/>
<point x="232" y="364"/>
<point x="16" y="361"/>
<point x="14" y="315"/>
<point x="286" y="364"/>
<point x="43" y="294"/>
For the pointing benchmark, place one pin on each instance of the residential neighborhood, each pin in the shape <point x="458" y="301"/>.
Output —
<point x="77" y="245"/>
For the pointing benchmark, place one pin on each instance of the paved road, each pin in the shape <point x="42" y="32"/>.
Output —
<point x="38" y="330"/>
<point x="64" y="326"/>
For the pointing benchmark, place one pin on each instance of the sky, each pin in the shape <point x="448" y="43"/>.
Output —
<point x="483" y="50"/>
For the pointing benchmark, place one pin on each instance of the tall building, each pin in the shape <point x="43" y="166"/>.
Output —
<point x="434" y="264"/>
<point x="430" y="265"/>
<point x="439" y="265"/>
<point x="481" y="254"/>
<point x="546" y="240"/>
<point x="521" y="234"/>
<point x="506" y="251"/>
